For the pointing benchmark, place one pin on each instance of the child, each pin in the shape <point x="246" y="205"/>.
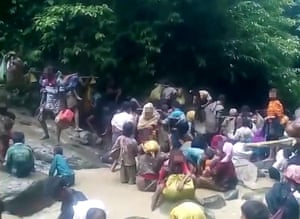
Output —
<point x="128" y="148"/>
<point x="275" y="107"/>
<point x="60" y="168"/>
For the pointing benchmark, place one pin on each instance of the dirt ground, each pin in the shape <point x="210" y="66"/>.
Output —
<point x="124" y="201"/>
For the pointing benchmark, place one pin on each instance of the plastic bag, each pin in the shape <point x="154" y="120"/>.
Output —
<point x="156" y="93"/>
<point x="170" y="192"/>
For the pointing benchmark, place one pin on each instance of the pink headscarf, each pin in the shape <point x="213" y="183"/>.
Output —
<point x="293" y="173"/>
<point x="228" y="150"/>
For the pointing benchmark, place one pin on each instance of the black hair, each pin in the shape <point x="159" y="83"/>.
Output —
<point x="2" y="207"/>
<point x="95" y="213"/>
<point x="53" y="186"/>
<point x="126" y="106"/>
<point x="128" y="129"/>
<point x="58" y="150"/>
<point x="246" y="122"/>
<point x="18" y="137"/>
<point x="253" y="209"/>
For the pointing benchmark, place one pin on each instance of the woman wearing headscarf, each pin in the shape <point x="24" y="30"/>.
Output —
<point x="221" y="175"/>
<point x="283" y="198"/>
<point x="148" y="124"/>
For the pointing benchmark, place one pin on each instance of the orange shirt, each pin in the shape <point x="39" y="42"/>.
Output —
<point x="275" y="108"/>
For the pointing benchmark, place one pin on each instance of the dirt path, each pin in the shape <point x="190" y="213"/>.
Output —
<point x="124" y="201"/>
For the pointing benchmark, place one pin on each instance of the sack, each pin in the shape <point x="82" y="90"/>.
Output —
<point x="156" y="93"/>
<point x="278" y="214"/>
<point x="170" y="192"/>
<point x="150" y="146"/>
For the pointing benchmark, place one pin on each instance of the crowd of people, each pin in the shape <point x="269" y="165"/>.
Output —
<point x="167" y="149"/>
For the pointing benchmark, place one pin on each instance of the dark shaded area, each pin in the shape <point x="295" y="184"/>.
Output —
<point x="30" y="201"/>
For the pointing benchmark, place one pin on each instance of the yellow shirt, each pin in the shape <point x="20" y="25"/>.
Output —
<point x="187" y="210"/>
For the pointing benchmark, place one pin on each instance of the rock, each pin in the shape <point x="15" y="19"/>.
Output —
<point x="264" y="164"/>
<point x="209" y="214"/>
<point x="29" y="201"/>
<point x="214" y="202"/>
<point x="11" y="186"/>
<point x="258" y="195"/>
<point x="231" y="195"/>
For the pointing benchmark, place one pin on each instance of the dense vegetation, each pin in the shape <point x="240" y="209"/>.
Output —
<point x="238" y="47"/>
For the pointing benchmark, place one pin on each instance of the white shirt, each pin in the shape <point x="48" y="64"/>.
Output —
<point x="281" y="161"/>
<point x="243" y="134"/>
<point x="81" y="208"/>
<point x="120" y="119"/>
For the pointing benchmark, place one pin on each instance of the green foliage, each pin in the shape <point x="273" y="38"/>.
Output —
<point x="79" y="32"/>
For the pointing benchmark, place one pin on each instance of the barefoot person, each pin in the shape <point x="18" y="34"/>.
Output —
<point x="60" y="167"/>
<point x="52" y="100"/>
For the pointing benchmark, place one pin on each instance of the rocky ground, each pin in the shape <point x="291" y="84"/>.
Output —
<point x="123" y="201"/>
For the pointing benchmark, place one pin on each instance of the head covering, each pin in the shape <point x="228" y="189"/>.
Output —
<point x="150" y="147"/>
<point x="293" y="173"/>
<point x="217" y="141"/>
<point x="228" y="150"/>
<point x="148" y="122"/>
<point x="188" y="210"/>
<point x="190" y="116"/>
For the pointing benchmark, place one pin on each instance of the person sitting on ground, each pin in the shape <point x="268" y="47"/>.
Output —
<point x="57" y="189"/>
<point x="19" y="158"/>
<point x="187" y="210"/>
<point x="1" y="208"/>
<point x="60" y="167"/>
<point x="284" y="196"/>
<point x="119" y="120"/>
<point x="148" y="167"/>
<point x="175" y="165"/>
<point x="126" y="148"/>
<point x="90" y="209"/>
<point x="196" y="158"/>
<point x="147" y="126"/>
<point x="221" y="176"/>
<point x="253" y="209"/>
